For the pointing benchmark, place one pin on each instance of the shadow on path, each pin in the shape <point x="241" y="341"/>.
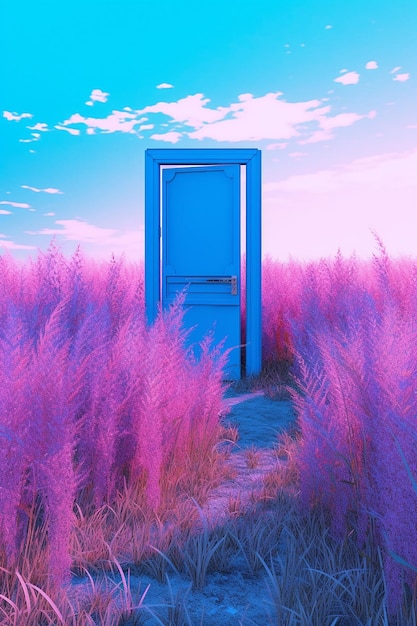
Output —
<point x="258" y="418"/>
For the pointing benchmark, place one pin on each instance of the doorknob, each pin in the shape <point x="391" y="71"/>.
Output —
<point x="226" y="279"/>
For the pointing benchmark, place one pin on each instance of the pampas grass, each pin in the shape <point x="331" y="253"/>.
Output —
<point x="112" y="441"/>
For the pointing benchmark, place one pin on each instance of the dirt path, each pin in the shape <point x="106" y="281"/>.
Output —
<point x="236" y="596"/>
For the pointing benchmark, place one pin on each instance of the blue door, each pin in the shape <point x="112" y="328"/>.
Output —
<point x="201" y="250"/>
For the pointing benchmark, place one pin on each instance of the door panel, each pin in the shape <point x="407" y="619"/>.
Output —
<point x="201" y="250"/>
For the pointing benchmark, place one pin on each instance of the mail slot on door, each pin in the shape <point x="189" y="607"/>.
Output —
<point x="200" y="284"/>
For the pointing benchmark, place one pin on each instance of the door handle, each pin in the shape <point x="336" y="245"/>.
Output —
<point x="227" y="279"/>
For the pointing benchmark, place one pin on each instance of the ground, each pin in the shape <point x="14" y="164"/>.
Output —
<point x="236" y="595"/>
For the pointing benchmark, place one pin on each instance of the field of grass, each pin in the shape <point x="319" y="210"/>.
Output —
<point x="111" y="443"/>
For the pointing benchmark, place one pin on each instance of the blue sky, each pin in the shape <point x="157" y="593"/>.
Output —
<point x="326" y="90"/>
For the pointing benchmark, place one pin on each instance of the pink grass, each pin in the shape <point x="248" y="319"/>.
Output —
<point x="94" y="405"/>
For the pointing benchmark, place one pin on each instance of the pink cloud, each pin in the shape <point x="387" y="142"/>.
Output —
<point x="11" y="245"/>
<point x="97" y="95"/>
<point x="47" y="190"/>
<point x="312" y="215"/>
<point x="18" y="205"/>
<point x="39" y="126"/>
<point x="3" y="212"/>
<point x="118" y="121"/>
<point x="265" y="117"/>
<point x="105" y="240"/>
<point x="15" y="116"/>
<point x="249" y="119"/>
<point x="316" y="136"/>
<point x="371" y="65"/>
<point x="344" y="119"/>
<point x="395" y="170"/>
<point x="76" y="230"/>
<point x="190" y="110"/>
<point x="71" y="131"/>
<point x="172" y="137"/>
<point x="401" y="77"/>
<point x="274" y="146"/>
<point x="350" y="78"/>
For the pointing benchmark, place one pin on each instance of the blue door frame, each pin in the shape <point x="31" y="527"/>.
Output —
<point x="251" y="158"/>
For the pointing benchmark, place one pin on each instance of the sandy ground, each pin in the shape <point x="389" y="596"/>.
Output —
<point x="237" y="596"/>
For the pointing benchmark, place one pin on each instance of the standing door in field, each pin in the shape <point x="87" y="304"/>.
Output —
<point x="201" y="250"/>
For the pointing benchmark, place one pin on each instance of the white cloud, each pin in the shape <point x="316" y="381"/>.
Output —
<point x="18" y="205"/>
<point x="328" y="26"/>
<point x="48" y="214"/>
<point x="371" y="65"/>
<point x="395" y="69"/>
<point x="401" y="77"/>
<point x="3" y="212"/>
<point x="351" y="78"/>
<point x="165" y="86"/>
<point x="15" y="116"/>
<point x="47" y="190"/>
